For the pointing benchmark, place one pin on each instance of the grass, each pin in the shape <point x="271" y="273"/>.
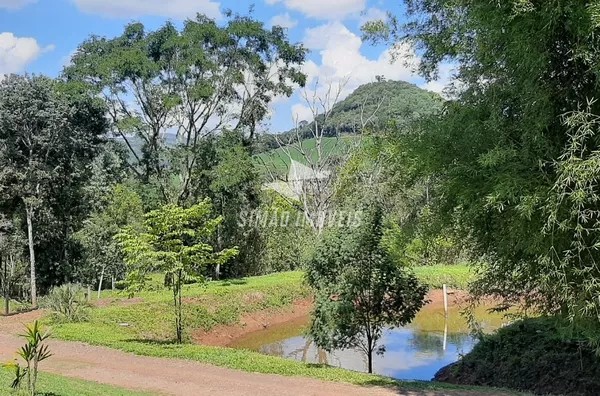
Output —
<point x="205" y="306"/>
<point x="54" y="385"/>
<point x="216" y="303"/>
<point x="454" y="276"/>
<point x="15" y="306"/>
<point x="279" y="162"/>
<point x="236" y="359"/>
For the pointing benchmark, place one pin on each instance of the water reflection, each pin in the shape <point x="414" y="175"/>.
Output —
<point x="414" y="352"/>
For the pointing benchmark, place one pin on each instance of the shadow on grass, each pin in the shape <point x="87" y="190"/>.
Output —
<point x="231" y="282"/>
<point x="155" y="342"/>
<point x="18" y="312"/>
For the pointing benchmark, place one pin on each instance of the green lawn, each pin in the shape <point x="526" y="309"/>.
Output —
<point x="216" y="303"/>
<point x="278" y="161"/>
<point x="54" y="385"/>
<point x="454" y="276"/>
<point x="205" y="306"/>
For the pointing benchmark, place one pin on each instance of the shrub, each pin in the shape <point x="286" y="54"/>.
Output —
<point x="529" y="355"/>
<point x="68" y="303"/>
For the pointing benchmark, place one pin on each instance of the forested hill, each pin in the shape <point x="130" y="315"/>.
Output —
<point x="400" y="101"/>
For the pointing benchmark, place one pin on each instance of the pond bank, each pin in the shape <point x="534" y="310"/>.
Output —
<point x="254" y="323"/>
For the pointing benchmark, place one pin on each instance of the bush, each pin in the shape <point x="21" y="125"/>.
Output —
<point x="67" y="303"/>
<point x="529" y="355"/>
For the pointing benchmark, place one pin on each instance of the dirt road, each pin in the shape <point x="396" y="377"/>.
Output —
<point x="172" y="376"/>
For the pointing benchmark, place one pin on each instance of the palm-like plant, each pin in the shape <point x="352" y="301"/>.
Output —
<point x="33" y="352"/>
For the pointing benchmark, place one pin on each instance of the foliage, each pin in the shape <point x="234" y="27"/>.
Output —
<point x="360" y="291"/>
<point x="174" y="241"/>
<point x="67" y="303"/>
<point x="200" y="80"/>
<point x="289" y="246"/>
<point x="121" y="207"/>
<point x="49" y="135"/>
<point x="33" y="352"/>
<point x="226" y="174"/>
<point x="529" y="355"/>
<point x="401" y="103"/>
<point x="54" y="385"/>
<point x="511" y="157"/>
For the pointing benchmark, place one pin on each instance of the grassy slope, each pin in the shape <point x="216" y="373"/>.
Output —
<point x="278" y="161"/>
<point x="271" y="291"/>
<point x="49" y="384"/>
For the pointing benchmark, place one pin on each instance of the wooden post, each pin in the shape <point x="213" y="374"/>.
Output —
<point x="445" y="300"/>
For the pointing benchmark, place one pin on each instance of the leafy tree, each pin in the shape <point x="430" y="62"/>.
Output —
<point x="173" y="240"/>
<point x="511" y="155"/>
<point x="360" y="291"/>
<point x="49" y="133"/>
<point x="102" y="255"/>
<point x="227" y="175"/>
<point x="194" y="82"/>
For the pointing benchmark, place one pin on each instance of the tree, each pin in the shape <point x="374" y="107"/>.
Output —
<point x="173" y="240"/>
<point x="49" y="133"/>
<point x="360" y="291"/>
<point x="512" y="154"/>
<point x="102" y="255"/>
<point x="167" y="90"/>
<point x="313" y="169"/>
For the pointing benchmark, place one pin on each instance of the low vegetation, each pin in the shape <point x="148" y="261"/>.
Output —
<point x="150" y="316"/>
<point x="529" y="355"/>
<point x="54" y="385"/>
<point x="144" y="326"/>
<point x="454" y="276"/>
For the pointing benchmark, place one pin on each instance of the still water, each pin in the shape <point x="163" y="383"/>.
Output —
<point x="415" y="352"/>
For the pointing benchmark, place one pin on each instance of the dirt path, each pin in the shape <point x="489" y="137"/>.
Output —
<point x="172" y="376"/>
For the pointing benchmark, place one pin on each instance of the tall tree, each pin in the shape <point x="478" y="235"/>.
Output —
<point x="169" y="89"/>
<point x="508" y="164"/>
<point x="49" y="133"/>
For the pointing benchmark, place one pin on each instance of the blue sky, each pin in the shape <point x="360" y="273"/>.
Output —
<point x="38" y="36"/>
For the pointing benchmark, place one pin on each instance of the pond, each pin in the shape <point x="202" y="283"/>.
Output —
<point x="415" y="352"/>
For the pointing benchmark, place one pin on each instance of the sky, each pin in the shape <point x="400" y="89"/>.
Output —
<point x="39" y="36"/>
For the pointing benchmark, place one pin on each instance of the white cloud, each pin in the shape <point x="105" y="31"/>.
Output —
<point x="445" y="83"/>
<point x="324" y="9"/>
<point x="301" y="112"/>
<point x="18" y="52"/>
<point x="372" y="14"/>
<point x="178" y="9"/>
<point x="284" y="20"/>
<point x="15" y="4"/>
<point x="341" y="59"/>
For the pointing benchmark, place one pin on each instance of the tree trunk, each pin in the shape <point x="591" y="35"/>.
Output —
<point x="101" y="282"/>
<point x="180" y="330"/>
<point x="370" y="348"/>
<point x="5" y="287"/>
<point x="89" y="293"/>
<point x="29" y="211"/>
<point x="113" y="283"/>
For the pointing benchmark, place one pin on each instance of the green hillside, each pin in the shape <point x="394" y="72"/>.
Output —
<point x="397" y="101"/>
<point x="278" y="161"/>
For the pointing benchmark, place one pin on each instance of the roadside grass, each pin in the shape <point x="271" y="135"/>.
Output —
<point x="454" y="276"/>
<point x="54" y="385"/>
<point x="243" y="360"/>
